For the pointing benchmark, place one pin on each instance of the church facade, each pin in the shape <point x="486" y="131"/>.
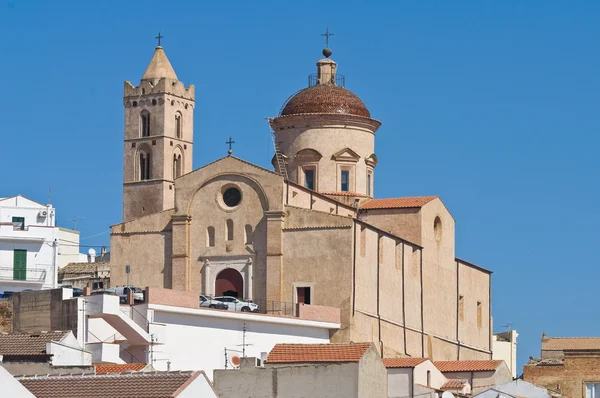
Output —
<point x="309" y="232"/>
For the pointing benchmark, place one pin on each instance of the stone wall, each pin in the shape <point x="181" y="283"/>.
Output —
<point x="570" y="377"/>
<point x="39" y="310"/>
<point x="6" y="315"/>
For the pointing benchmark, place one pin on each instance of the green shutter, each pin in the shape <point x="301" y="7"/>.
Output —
<point x="20" y="265"/>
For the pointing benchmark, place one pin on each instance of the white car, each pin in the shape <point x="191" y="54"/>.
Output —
<point x="234" y="304"/>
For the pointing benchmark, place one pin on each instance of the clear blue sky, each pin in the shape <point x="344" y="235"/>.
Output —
<point x="491" y="105"/>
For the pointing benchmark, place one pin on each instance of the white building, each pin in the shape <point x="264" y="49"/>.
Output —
<point x="32" y="247"/>
<point x="171" y="332"/>
<point x="505" y="349"/>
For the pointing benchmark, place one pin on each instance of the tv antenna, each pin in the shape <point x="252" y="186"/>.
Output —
<point x="244" y="345"/>
<point x="75" y="221"/>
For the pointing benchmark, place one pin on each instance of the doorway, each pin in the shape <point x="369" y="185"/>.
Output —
<point x="303" y="294"/>
<point x="229" y="283"/>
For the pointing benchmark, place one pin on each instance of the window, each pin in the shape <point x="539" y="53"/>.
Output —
<point x="345" y="180"/>
<point x="178" y="125"/>
<point x="144" y="166"/>
<point x="303" y="294"/>
<point x="232" y="197"/>
<point x="176" y="166"/>
<point x="248" y="233"/>
<point x="479" y="314"/>
<point x="18" y="223"/>
<point x="97" y="285"/>
<point x="19" y="265"/>
<point x="210" y="236"/>
<point x="437" y="228"/>
<point x="592" y="390"/>
<point x="369" y="183"/>
<point x="309" y="178"/>
<point x="229" y="228"/>
<point x="145" y="123"/>
<point x="429" y="378"/>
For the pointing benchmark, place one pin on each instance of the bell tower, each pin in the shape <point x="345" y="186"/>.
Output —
<point x="159" y="136"/>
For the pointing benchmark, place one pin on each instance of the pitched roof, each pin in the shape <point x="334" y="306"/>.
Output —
<point x="159" y="66"/>
<point x="141" y="384"/>
<point x="570" y="343"/>
<point x="467" y="366"/>
<point x="397" y="203"/>
<point x="23" y="344"/>
<point x="299" y="353"/>
<point x="454" y="383"/>
<point x="104" y="368"/>
<point x="82" y="268"/>
<point x="403" y="362"/>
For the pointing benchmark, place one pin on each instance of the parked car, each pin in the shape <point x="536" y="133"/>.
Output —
<point x="123" y="291"/>
<point x="234" y="304"/>
<point x="77" y="292"/>
<point x="210" y="303"/>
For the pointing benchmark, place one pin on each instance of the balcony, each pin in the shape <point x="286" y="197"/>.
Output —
<point x="16" y="232"/>
<point x="23" y="276"/>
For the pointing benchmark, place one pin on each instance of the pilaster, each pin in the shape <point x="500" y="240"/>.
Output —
<point x="181" y="252"/>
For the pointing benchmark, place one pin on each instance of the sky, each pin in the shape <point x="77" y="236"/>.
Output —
<point x="491" y="105"/>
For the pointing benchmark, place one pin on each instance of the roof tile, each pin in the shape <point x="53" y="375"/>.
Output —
<point x="454" y="383"/>
<point x="397" y="203"/>
<point x="571" y="343"/>
<point x="104" y="368"/>
<point x="301" y="353"/>
<point x="140" y="384"/>
<point x="83" y="268"/>
<point x="467" y="366"/>
<point x="28" y="343"/>
<point x="403" y="362"/>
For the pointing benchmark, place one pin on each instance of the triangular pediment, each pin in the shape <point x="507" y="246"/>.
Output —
<point x="346" y="154"/>
<point x="371" y="160"/>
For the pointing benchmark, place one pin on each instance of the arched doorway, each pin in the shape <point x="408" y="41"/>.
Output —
<point x="229" y="283"/>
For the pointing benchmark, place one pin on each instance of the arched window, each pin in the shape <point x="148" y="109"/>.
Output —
<point x="144" y="166"/>
<point x="176" y="165"/>
<point x="229" y="229"/>
<point x="178" y="124"/>
<point x="210" y="236"/>
<point x="145" y="123"/>
<point x="248" y="233"/>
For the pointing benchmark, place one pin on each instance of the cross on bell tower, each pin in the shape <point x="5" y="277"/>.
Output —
<point x="158" y="38"/>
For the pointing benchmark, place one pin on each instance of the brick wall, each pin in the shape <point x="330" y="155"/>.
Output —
<point x="570" y="377"/>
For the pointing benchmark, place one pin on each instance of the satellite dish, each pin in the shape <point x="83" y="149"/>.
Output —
<point x="447" y="394"/>
<point x="92" y="252"/>
<point x="235" y="360"/>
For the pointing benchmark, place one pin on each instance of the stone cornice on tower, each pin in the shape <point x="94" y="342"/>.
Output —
<point x="159" y="78"/>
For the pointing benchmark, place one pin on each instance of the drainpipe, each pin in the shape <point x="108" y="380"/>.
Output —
<point x="378" y="314"/>
<point x="54" y="270"/>
<point x="403" y="300"/>
<point x="422" y="326"/>
<point x="354" y="270"/>
<point x="457" y="310"/>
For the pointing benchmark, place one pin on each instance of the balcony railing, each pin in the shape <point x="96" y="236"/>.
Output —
<point x="340" y="80"/>
<point x="26" y="275"/>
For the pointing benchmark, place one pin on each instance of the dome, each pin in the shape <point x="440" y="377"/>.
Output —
<point x="325" y="98"/>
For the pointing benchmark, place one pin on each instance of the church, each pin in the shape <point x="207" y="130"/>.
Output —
<point x="307" y="231"/>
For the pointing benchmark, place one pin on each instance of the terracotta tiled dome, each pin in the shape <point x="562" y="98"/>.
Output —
<point x="325" y="99"/>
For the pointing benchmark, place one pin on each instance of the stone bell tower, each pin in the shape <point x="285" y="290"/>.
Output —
<point x="159" y="136"/>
